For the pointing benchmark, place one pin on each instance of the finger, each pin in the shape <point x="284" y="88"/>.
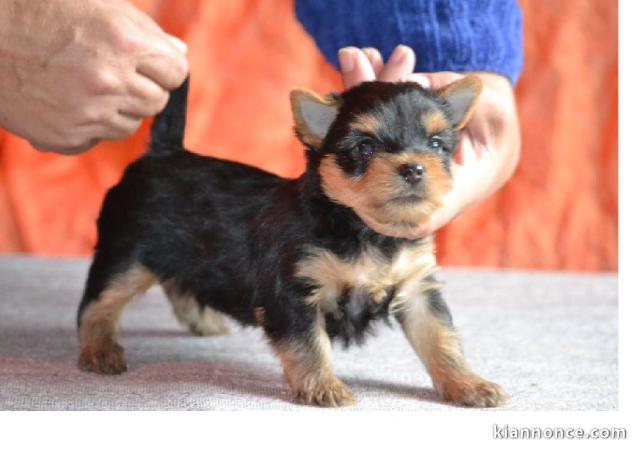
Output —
<point x="453" y="204"/>
<point x="441" y="79"/>
<point x="461" y="153"/>
<point x="66" y="150"/>
<point x="470" y="181"/>
<point x="441" y="217"/>
<point x="147" y="23"/>
<point x="120" y="126"/>
<point x="179" y="44"/>
<point x="422" y="79"/>
<point x="166" y="72"/>
<point x="80" y="149"/>
<point x="400" y="66"/>
<point x="167" y="67"/>
<point x="375" y="58"/>
<point x="144" y="98"/>
<point x="355" y="67"/>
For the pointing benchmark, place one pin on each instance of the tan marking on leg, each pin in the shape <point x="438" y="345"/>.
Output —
<point x="100" y="351"/>
<point x="435" y="121"/>
<point x="440" y="350"/>
<point x="200" y="321"/>
<point x="308" y="371"/>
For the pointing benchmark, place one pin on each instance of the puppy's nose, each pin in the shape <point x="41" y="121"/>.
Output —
<point x="412" y="174"/>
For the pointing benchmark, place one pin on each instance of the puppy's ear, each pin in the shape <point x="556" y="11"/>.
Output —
<point x="313" y="115"/>
<point x="462" y="96"/>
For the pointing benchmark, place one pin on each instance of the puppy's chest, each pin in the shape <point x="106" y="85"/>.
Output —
<point x="369" y="281"/>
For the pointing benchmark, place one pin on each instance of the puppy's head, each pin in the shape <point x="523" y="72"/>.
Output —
<point x="384" y="149"/>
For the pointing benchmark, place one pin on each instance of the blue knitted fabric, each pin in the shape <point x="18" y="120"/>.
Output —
<point x="447" y="35"/>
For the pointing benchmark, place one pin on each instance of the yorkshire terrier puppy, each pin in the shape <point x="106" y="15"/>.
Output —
<point x="309" y="260"/>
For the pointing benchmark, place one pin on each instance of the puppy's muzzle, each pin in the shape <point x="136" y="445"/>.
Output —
<point x="411" y="173"/>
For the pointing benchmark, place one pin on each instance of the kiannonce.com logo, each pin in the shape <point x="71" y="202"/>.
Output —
<point x="508" y="432"/>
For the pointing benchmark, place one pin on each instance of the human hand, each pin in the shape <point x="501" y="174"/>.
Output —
<point x="489" y="146"/>
<point x="74" y="72"/>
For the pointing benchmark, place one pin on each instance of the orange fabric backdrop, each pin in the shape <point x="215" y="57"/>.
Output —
<point x="559" y="211"/>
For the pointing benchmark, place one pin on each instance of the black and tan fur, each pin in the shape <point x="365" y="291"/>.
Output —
<point x="308" y="260"/>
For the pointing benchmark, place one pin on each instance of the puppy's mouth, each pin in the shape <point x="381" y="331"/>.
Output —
<point x="411" y="198"/>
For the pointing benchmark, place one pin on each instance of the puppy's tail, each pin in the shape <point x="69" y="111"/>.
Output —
<point x="167" y="132"/>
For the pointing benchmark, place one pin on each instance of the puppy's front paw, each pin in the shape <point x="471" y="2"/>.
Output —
<point x="324" y="392"/>
<point x="102" y="359"/>
<point x="472" y="391"/>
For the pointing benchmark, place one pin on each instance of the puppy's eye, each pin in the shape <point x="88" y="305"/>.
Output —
<point x="366" y="147"/>
<point x="436" y="144"/>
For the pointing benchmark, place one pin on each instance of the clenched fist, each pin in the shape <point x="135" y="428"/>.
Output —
<point x="74" y="72"/>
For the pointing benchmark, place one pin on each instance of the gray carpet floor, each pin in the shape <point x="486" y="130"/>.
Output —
<point x="550" y="339"/>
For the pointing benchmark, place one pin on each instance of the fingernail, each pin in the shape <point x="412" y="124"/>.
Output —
<point x="369" y="51"/>
<point x="180" y="44"/>
<point x="398" y="54"/>
<point x="346" y="57"/>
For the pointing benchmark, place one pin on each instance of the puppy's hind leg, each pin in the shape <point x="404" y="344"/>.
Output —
<point x="109" y="288"/>
<point x="200" y="320"/>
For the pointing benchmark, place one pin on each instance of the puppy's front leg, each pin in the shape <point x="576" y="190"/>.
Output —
<point x="306" y="359"/>
<point x="426" y="322"/>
